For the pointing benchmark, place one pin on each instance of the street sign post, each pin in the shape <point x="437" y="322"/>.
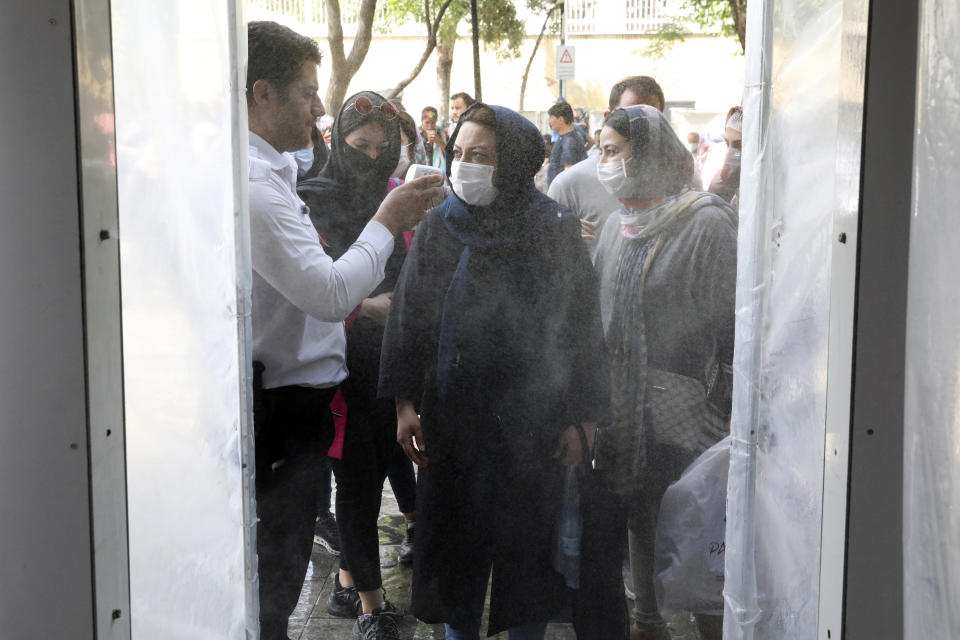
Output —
<point x="566" y="62"/>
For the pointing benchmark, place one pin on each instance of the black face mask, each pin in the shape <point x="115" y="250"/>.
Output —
<point x="364" y="169"/>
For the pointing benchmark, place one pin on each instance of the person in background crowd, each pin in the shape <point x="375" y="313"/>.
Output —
<point x="493" y="342"/>
<point x="726" y="183"/>
<point x="311" y="159"/>
<point x="433" y="141"/>
<point x="667" y="268"/>
<point x="711" y="152"/>
<point x="594" y="150"/>
<point x="581" y="123"/>
<point x="364" y="153"/>
<point x="459" y="102"/>
<point x="540" y="180"/>
<point x="300" y="297"/>
<point x="568" y="149"/>
<point x="326" y="124"/>
<point x="578" y="187"/>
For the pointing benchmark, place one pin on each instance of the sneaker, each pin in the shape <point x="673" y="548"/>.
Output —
<point x="325" y="533"/>
<point x="406" y="547"/>
<point x="382" y="624"/>
<point x="343" y="602"/>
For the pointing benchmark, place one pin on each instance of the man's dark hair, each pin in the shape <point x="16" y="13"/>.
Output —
<point x="562" y="110"/>
<point x="276" y="54"/>
<point x="645" y="88"/>
<point x="467" y="100"/>
<point x="432" y="111"/>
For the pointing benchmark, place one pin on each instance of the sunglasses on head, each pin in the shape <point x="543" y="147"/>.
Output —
<point x="364" y="107"/>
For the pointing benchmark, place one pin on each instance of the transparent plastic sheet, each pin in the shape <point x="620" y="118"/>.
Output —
<point x="931" y="494"/>
<point x="178" y="136"/>
<point x="794" y="150"/>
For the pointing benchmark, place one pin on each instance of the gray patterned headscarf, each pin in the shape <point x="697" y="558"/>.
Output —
<point x="661" y="164"/>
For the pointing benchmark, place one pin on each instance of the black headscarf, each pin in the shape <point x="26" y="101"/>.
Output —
<point x="351" y="186"/>
<point x="519" y="218"/>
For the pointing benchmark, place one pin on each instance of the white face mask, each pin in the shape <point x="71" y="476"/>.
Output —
<point x="613" y="177"/>
<point x="473" y="183"/>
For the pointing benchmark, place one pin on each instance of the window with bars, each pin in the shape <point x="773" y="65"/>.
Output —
<point x="644" y="16"/>
<point x="581" y="16"/>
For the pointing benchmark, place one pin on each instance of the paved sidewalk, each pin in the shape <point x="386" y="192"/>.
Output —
<point x="310" y="620"/>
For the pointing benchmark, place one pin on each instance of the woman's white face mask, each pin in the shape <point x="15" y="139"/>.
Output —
<point x="613" y="176"/>
<point x="473" y="183"/>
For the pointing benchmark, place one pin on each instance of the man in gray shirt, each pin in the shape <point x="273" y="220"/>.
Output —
<point x="578" y="186"/>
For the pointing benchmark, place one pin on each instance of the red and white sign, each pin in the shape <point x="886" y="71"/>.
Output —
<point x="566" y="62"/>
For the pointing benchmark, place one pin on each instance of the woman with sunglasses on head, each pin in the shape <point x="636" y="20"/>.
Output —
<point x="493" y="340"/>
<point x="364" y="151"/>
<point x="667" y="281"/>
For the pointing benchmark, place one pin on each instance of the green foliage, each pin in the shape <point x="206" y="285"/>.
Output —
<point x="711" y="16"/>
<point x="500" y="28"/>
<point x="393" y="13"/>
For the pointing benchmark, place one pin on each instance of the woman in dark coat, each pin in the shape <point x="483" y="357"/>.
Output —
<point x="668" y="276"/>
<point x="494" y="338"/>
<point x="365" y="148"/>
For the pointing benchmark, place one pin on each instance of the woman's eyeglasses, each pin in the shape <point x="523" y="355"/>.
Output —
<point x="364" y="107"/>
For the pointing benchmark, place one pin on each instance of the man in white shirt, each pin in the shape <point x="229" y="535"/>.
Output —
<point x="578" y="187"/>
<point x="300" y="298"/>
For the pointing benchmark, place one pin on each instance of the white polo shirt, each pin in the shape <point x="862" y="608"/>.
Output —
<point x="300" y="295"/>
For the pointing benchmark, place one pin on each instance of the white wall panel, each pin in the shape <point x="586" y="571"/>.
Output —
<point x="931" y="516"/>
<point x="181" y="176"/>
<point x="795" y="298"/>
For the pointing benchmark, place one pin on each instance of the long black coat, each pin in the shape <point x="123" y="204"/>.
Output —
<point x="528" y="367"/>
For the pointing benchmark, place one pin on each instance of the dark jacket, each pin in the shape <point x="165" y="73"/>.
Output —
<point x="668" y="281"/>
<point x="521" y="351"/>
<point x="342" y="200"/>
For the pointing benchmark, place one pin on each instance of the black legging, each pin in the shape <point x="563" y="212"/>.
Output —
<point x="369" y="444"/>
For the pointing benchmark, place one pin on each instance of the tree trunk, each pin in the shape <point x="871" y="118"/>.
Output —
<point x="738" y="11"/>
<point x="432" y="28"/>
<point x="445" y="48"/>
<point x="475" y="23"/>
<point x="533" y="54"/>
<point x="344" y="67"/>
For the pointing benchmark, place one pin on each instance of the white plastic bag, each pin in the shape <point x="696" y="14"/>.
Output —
<point x="690" y="546"/>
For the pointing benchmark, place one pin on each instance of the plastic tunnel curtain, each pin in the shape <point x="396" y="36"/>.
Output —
<point x="181" y="188"/>
<point x="931" y="499"/>
<point x="802" y="136"/>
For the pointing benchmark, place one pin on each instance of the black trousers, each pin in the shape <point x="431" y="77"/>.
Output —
<point x="599" y="605"/>
<point x="293" y="429"/>
<point x="369" y="445"/>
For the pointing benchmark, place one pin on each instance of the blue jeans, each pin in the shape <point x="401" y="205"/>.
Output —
<point x="532" y="631"/>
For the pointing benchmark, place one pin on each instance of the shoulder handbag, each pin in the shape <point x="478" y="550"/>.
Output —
<point x="677" y="413"/>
